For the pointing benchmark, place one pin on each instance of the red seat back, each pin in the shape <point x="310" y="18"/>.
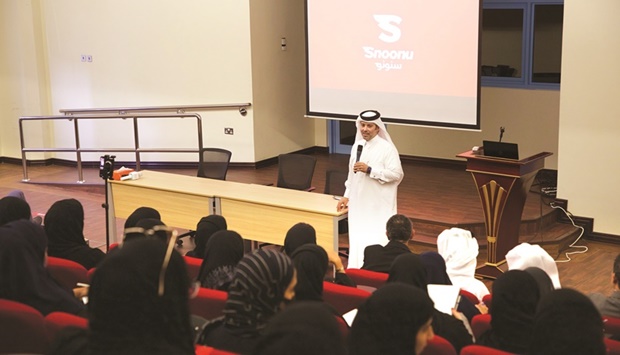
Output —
<point x="56" y="321"/>
<point x="470" y="296"/>
<point x="612" y="326"/>
<point x="343" y="298"/>
<point x="66" y="272"/>
<point x="480" y="323"/>
<point x="208" y="303"/>
<point x="481" y="350"/>
<point x="193" y="266"/>
<point x="438" y="346"/>
<point x="207" y="350"/>
<point x="367" y="277"/>
<point x="22" y="329"/>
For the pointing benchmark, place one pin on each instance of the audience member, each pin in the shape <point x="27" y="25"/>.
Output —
<point x="459" y="249"/>
<point x="141" y="213"/>
<point x="23" y="277"/>
<point x="525" y="255"/>
<point x="408" y="269"/>
<point x="545" y="285"/>
<point x="64" y="226"/>
<point x="436" y="274"/>
<point x="304" y="328"/>
<point x="399" y="231"/>
<point x="138" y="302"/>
<point x="610" y="306"/>
<point x="13" y="209"/>
<point x="17" y="193"/>
<point x="223" y="252"/>
<point x="298" y="235"/>
<point x="567" y="323"/>
<point x="263" y="282"/>
<point x="205" y="228"/>
<point x="515" y="297"/>
<point x="147" y="227"/>
<point x="395" y="319"/>
<point x="311" y="264"/>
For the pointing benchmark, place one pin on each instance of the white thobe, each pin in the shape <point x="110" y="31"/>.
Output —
<point x="372" y="197"/>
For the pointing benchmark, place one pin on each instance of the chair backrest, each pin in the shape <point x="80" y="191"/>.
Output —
<point x="470" y="296"/>
<point x="438" y="346"/>
<point x="207" y="350"/>
<point x="334" y="182"/>
<point x="295" y="171"/>
<point x="613" y="346"/>
<point x="193" y="266"/>
<point x="66" y="272"/>
<point x="208" y="303"/>
<point x="612" y="326"/>
<point x="213" y="163"/>
<point x="57" y="321"/>
<point x="22" y="329"/>
<point x="481" y="350"/>
<point x="343" y="298"/>
<point x="367" y="278"/>
<point x="487" y="300"/>
<point x="480" y="323"/>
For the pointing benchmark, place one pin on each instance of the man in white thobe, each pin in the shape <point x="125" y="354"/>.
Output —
<point x="371" y="187"/>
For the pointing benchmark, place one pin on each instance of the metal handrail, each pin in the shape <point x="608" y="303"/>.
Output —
<point x="177" y="108"/>
<point x="79" y="150"/>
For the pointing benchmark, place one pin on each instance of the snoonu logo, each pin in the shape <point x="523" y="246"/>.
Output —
<point x="391" y="59"/>
<point x="385" y="23"/>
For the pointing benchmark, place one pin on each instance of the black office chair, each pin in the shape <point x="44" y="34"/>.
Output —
<point x="334" y="185"/>
<point x="295" y="171"/>
<point x="213" y="163"/>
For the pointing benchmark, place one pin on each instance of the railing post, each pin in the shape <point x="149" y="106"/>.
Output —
<point x="24" y="163"/>
<point x="78" y="154"/>
<point x="136" y="141"/>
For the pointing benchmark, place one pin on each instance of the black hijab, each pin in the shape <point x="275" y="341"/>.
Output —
<point x="64" y="225"/>
<point x="311" y="263"/>
<point x="141" y="213"/>
<point x="304" y="328"/>
<point x="408" y="269"/>
<point x="13" y="209"/>
<point x="435" y="268"/>
<point x="566" y="323"/>
<point x="223" y="252"/>
<point x="23" y="276"/>
<point x="545" y="285"/>
<point x="205" y="228"/>
<point x="515" y="296"/>
<point x="299" y="234"/>
<point x="257" y="290"/>
<point x="127" y="316"/>
<point x="389" y="320"/>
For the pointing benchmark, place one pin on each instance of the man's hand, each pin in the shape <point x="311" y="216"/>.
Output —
<point x="360" y="167"/>
<point x="343" y="204"/>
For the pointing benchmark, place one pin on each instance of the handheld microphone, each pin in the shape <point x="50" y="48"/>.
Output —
<point x="501" y="133"/>
<point x="359" y="154"/>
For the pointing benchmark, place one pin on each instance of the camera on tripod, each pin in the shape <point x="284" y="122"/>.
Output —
<point x="106" y="167"/>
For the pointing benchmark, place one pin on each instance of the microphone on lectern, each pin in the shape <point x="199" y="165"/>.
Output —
<point x="501" y="133"/>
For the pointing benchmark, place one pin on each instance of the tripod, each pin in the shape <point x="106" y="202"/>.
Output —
<point x="106" y="171"/>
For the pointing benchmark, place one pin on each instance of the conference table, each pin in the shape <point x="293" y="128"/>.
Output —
<point x="257" y="212"/>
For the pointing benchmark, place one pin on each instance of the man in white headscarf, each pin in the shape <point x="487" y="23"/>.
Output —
<point x="527" y="255"/>
<point x="460" y="249"/>
<point x="371" y="187"/>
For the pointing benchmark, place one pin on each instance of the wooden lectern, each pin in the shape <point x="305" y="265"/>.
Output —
<point x="502" y="185"/>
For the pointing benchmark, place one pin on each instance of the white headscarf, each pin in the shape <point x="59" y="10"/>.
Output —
<point x="459" y="249"/>
<point x="382" y="130"/>
<point x="526" y="255"/>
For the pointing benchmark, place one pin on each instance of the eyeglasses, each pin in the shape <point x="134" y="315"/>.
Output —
<point x="172" y="240"/>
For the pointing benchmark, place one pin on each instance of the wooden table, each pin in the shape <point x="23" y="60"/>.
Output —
<point x="257" y="212"/>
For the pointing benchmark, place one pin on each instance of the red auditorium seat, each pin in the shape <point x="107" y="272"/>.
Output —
<point x="22" y="329"/>
<point x="367" y="277"/>
<point x="480" y="323"/>
<point x="343" y="298"/>
<point x="207" y="350"/>
<point x="612" y="326"/>
<point x="438" y="346"/>
<point x="208" y="303"/>
<point x="470" y="296"/>
<point x="481" y="350"/>
<point x="193" y="266"/>
<point x="66" y="272"/>
<point x="56" y="321"/>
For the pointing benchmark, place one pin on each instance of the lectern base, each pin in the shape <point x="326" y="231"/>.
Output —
<point x="490" y="271"/>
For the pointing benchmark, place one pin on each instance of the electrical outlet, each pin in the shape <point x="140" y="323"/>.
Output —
<point x="229" y="130"/>
<point x="89" y="58"/>
<point x="83" y="57"/>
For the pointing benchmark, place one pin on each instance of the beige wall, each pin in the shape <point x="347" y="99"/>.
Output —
<point x="589" y="112"/>
<point x="279" y="78"/>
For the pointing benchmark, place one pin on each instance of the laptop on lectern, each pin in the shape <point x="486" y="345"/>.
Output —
<point x="500" y="150"/>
